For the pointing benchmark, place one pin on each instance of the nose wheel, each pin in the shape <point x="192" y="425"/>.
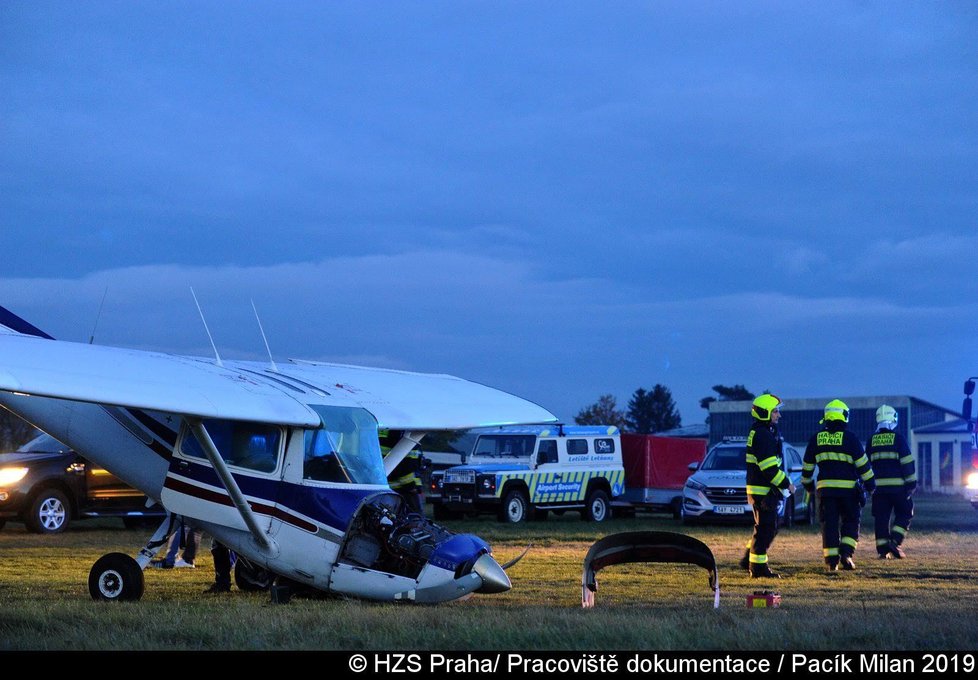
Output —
<point x="115" y="577"/>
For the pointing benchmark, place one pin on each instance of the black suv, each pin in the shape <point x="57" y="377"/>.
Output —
<point x="46" y="485"/>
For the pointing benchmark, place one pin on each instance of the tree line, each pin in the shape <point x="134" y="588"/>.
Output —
<point x="651" y="411"/>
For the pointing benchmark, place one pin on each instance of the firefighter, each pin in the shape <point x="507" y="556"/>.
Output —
<point x="767" y="484"/>
<point x="843" y="470"/>
<point x="896" y="481"/>
<point x="405" y="479"/>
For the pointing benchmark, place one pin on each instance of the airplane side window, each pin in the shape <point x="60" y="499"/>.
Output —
<point x="246" y="445"/>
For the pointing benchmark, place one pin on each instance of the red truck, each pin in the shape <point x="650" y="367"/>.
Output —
<point x="655" y="470"/>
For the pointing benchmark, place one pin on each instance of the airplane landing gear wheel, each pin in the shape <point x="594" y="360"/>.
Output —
<point x="250" y="577"/>
<point x="115" y="577"/>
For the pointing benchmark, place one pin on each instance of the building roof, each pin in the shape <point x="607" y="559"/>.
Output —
<point x="950" y="426"/>
<point x="700" y="431"/>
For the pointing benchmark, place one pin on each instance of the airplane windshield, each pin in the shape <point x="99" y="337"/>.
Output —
<point x="346" y="449"/>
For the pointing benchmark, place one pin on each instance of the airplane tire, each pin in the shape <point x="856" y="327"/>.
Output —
<point x="116" y="577"/>
<point x="250" y="577"/>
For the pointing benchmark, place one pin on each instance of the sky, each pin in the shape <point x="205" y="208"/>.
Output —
<point x="560" y="200"/>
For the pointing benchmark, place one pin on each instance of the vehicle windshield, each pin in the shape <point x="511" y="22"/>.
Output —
<point x="346" y="449"/>
<point x="44" y="443"/>
<point x="504" y="446"/>
<point x="726" y="458"/>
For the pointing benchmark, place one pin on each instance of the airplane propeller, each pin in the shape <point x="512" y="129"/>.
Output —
<point x="494" y="579"/>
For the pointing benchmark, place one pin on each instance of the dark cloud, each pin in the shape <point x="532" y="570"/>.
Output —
<point x="594" y="198"/>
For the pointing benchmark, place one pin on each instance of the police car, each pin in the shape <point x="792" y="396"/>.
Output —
<point x="523" y="472"/>
<point x="717" y="489"/>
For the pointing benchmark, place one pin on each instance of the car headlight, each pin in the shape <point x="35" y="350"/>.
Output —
<point x="486" y="484"/>
<point x="694" y="485"/>
<point x="973" y="481"/>
<point x="12" y="475"/>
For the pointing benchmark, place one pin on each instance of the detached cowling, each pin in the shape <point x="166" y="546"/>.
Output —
<point x="646" y="546"/>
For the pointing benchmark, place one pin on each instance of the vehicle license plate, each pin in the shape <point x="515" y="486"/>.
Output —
<point x="728" y="509"/>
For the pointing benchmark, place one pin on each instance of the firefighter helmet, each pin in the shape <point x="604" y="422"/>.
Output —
<point x="764" y="405"/>
<point x="836" y="410"/>
<point x="886" y="416"/>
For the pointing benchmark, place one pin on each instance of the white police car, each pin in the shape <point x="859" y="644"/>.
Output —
<point x="717" y="489"/>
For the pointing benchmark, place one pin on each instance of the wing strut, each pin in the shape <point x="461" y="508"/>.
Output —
<point x="401" y="449"/>
<point x="231" y="486"/>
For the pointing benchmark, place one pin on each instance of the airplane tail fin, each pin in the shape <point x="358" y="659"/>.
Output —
<point x="12" y="322"/>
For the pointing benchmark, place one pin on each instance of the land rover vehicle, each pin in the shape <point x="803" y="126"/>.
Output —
<point x="717" y="489"/>
<point x="46" y="485"/>
<point x="522" y="472"/>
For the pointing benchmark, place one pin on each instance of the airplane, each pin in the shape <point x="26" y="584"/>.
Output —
<point x="279" y="461"/>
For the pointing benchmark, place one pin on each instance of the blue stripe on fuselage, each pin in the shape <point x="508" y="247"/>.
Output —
<point x="333" y="507"/>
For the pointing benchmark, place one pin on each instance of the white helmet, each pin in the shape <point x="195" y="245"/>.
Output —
<point x="886" y="417"/>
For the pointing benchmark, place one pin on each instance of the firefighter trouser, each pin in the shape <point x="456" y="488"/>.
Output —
<point x="839" y="515"/>
<point x="886" y="503"/>
<point x="765" y="525"/>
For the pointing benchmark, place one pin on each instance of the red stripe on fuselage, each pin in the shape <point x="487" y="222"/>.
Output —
<point x="222" y="498"/>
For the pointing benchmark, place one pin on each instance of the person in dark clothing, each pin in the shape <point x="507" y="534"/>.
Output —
<point x="223" y="561"/>
<point x="843" y="471"/>
<point x="896" y="480"/>
<point x="767" y="485"/>
<point x="405" y="479"/>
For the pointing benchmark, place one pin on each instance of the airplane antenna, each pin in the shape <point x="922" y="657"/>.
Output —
<point x="99" y="315"/>
<point x="267" y="348"/>
<point x="218" y="356"/>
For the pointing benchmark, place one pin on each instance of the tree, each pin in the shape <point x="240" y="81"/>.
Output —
<point x="650" y="412"/>
<point x="735" y="393"/>
<point x="14" y="431"/>
<point x="603" y="412"/>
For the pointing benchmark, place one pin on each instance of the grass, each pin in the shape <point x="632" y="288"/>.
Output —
<point x="927" y="601"/>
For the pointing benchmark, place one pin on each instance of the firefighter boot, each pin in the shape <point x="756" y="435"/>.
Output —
<point x="745" y="560"/>
<point x="847" y="563"/>
<point x="896" y="551"/>
<point x="832" y="564"/>
<point x="762" y="571"/>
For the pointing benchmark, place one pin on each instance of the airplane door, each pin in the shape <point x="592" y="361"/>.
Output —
<point x="252" y="453"/>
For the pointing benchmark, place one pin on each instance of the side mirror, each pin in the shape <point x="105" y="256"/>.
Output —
<point x="693" y="467"/>
<point x="969" y="387"/>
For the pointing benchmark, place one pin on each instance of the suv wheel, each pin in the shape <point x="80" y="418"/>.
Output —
<point x="49" y="512"/>
<point x="596" y="507"/>
<point x="515" y="507"/>
<point x="788" y="520"/>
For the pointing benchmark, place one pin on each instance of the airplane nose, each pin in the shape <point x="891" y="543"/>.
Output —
<point x="494" y="579"/>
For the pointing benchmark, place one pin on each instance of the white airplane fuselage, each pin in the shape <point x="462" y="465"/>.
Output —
<point x="307" y="522"/>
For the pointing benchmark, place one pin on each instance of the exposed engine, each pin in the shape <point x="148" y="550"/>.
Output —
<point x="385" y="536"/>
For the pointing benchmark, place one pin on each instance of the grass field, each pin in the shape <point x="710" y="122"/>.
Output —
<point x="927" y="601"/>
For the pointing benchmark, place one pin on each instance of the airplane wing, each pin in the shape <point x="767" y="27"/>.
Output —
<point x="248" y="391"/>
<point x="146" y="380"/>
<point x="403" y="400"/>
